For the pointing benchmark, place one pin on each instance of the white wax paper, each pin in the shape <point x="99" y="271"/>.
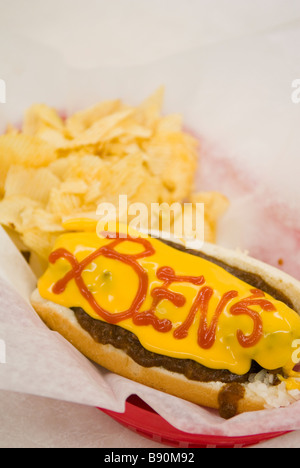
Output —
<point x="235" y="95"/>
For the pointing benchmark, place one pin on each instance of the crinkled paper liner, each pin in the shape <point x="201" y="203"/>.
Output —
<point x="41" y="362"/>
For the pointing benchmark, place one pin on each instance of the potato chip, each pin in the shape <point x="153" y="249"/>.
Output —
<point x="169" y="124"/>
<point x="39" y="242"/>
<point x="216" y="204"/>
<point x="43" y="220"/>
<point x="54" y="137"/>
<point x="93" y="193"/>
<point x="23" y="149"/>
<point x="149" y="112"/>
<point x="12" y="210"/>
<point x="40" y="117"/>
<point x="56" y="169"/>
<point x="11" y="130"/>
<point x="99" y="130"/>
<point x="81" y="121"/>
<point x="76" y="186"/>
<point x="62" y="203"/>
<point x="35" y="184"/>
<point x="62" y="166"/>
<point x="75" y="166"/>
<point x="172" y="160"/>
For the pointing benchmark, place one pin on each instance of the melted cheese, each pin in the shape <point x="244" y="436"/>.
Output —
<point x="114" y="285"/>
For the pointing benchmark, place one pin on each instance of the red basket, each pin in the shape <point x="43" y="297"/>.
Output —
<point x="143" y="420"/>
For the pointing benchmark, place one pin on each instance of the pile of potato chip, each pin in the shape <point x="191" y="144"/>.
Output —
<point x="54" y="168"/>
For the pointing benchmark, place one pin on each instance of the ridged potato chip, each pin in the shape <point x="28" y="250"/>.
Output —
<point x="40" y="117"/>
<point x="39" y="242"/>
<point x="104" y="129"/>
<point x="35" y="184"/>
<point x="82" y="120"/>
<point x="28" y="151"/>
<point x="12" y="211"/>
<point x="56" y="169"/>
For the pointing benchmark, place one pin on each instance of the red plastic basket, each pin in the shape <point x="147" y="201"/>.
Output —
<point x="143" y="420"/>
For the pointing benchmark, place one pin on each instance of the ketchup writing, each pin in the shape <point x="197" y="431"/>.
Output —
<point x="206" y="333"/>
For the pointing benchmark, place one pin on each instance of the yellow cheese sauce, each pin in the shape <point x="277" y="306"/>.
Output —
<point x="177" y="304"/>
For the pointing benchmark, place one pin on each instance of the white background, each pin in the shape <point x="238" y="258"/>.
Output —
<point x="232" y="63"/>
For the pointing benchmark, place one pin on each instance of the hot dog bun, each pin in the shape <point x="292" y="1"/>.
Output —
<point x="258" y="393"/>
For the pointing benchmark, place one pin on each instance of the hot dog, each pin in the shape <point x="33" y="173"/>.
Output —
<point x="212" y="326"/>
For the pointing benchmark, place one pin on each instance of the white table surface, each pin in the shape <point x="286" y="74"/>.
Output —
<point x="154" y="30"/>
